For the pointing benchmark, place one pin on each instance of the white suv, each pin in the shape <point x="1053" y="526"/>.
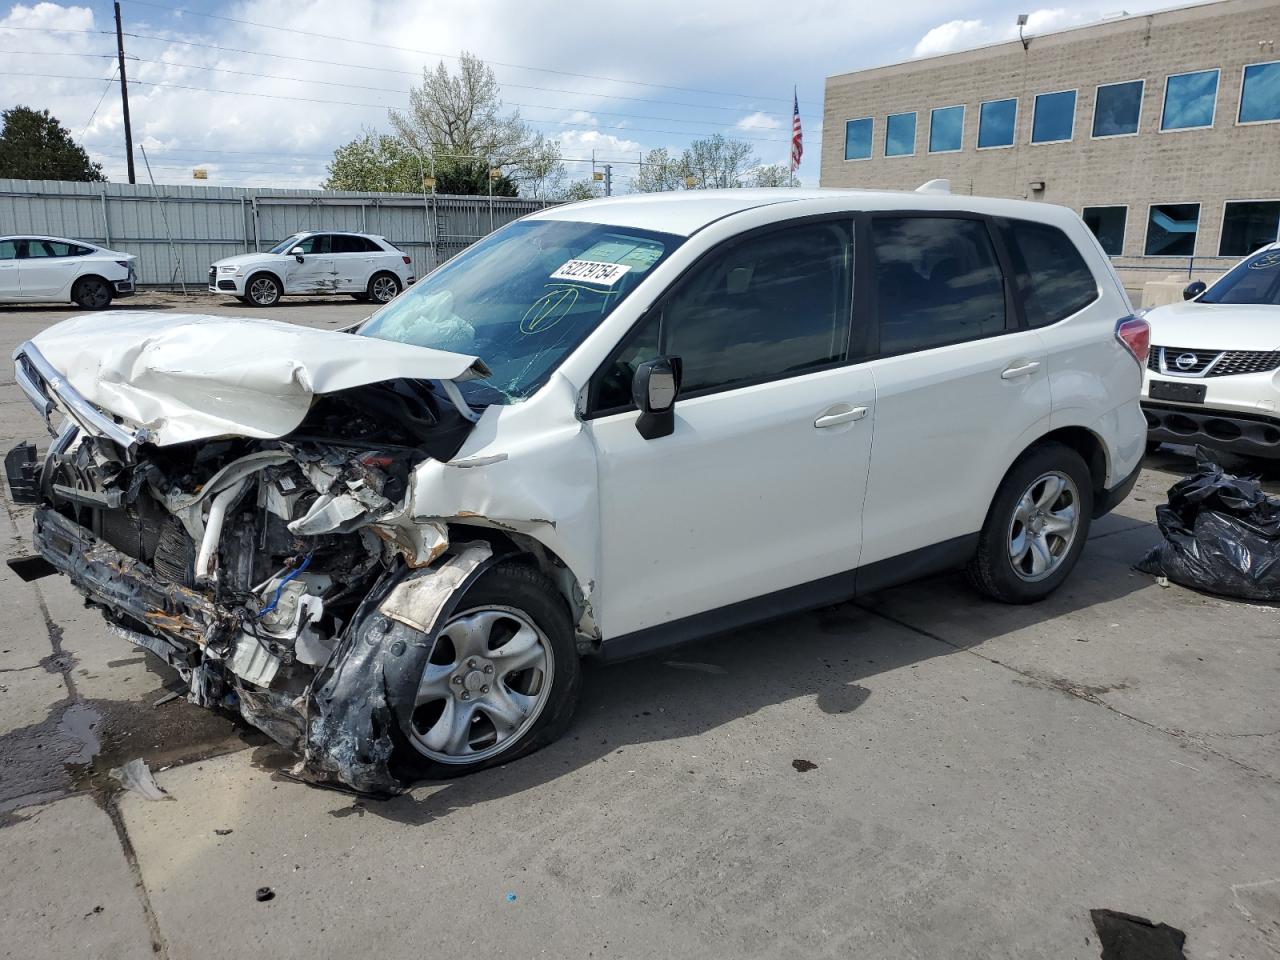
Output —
<point x="57" y="270"/>
<point x="365" y="266"/>
<point x="1212" y="376"/>
<point x="607" y="428"/>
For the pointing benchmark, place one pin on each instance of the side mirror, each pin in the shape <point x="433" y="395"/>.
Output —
<point x="297" y="254"/>
<point x="1193" y="289"/>
<point x="654" y="390"/>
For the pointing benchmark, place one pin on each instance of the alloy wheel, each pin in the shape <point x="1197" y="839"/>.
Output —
<point x="1045" y="523"/>
<point x="263" y="292"/>
<point x="486" y="682"/>
<point x="384" y="289"/>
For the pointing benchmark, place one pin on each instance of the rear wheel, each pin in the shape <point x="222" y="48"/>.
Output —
<point x="91" y="293"/>
<point x="1036" y="527"/>
<point x="383" y="287"/>
<point x="501" y="681"/>
<point x="263" y="290"/>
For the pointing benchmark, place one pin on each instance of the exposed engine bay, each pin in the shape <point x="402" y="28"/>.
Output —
<point x="246" y="564"/>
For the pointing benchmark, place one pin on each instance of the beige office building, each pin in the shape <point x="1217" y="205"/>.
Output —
<point x="1161" y="130"/>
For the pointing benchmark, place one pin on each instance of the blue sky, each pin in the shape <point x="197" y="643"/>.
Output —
<point x="260" y="92"/>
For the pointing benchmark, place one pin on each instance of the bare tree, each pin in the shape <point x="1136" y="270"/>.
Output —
<point x="772" y="175"/>
<point x="459" y="118"/>
<point x="715" y="161"/>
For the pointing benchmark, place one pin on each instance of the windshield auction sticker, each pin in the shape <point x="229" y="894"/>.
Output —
<point x="591" y="271"/>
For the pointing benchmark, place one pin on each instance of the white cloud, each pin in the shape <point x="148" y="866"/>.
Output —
<point x="759" y="121"/>
<point x="966" y="34"/>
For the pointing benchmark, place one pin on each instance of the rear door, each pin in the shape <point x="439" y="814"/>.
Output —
<point x="10" y="288"/>
<point x="354" y="261"/>
<point x="961" y="385"/>
<point x="316" y="273"/>
<point x="759" y="488"/>
<point x="48" y="267"/>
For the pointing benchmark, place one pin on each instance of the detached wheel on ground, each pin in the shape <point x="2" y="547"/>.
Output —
<point x="383" y="287"/>
<point x="1036" y="527"/>
<point x="91" y="293"/>
<point x="263" y="290"/>
<point x="501" y="681"/>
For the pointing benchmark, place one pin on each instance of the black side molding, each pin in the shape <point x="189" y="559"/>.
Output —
<point x="1108" y="500"/>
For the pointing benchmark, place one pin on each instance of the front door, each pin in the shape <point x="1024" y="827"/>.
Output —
<point x="759" y="488"/>
<point x="316" y="273"/>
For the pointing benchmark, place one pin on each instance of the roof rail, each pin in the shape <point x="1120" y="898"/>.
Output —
<point x="935" y="186"/>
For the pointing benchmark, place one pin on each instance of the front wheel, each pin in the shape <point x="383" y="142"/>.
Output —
<point x="501" y="681"/>
<point x="91" y="293"/>
<point x="263" y="290"/>
<point x="1036" y="527"/>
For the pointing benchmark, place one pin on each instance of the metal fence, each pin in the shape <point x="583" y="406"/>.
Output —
<point x="177" y="231"/>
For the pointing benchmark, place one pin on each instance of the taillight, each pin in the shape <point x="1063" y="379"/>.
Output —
<point x="1135" y="334"/>
<point x="123" y="263"/>
<point x="407" y="260"/>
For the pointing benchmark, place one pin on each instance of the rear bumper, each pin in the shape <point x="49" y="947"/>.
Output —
<point x="1110" y="499"/>
<point x="1250" y="434"/>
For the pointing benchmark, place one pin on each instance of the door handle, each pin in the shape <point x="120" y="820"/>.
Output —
<point x="835" y="419"/>
<point x="1020" y="370"/>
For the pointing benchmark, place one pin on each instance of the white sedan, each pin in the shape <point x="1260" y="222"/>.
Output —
<point x="57" y="270"/>
<point x="365" y="266"/>
<point x="1213" y="373"/>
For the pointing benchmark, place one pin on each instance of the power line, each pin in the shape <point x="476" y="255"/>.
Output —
<point x="377" y="106"/>
<point x="418" y="73"/>
<point x="402" y="93"/>
<point x="105" y="91"/>
<point x="448" y="56"/>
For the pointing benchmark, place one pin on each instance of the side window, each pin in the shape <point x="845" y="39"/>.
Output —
<point x="47" y="248"/>
<point x="8" y="249"/>
<point x="79" y="251"/>
<point x="368" y="246"/>
<point x="1052" y="277"/>
<point x="764" y="308"/>
<point x="317" y="243"/>
<point x="345" y="243"/>
<point x="937" y="281"/>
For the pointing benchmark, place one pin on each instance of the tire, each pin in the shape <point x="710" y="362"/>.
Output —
<point x="263" y="290"/>
<point x="1026" y="568"/>
<point x="91" y="293"/>
<point x="497" y="602"/>
<point x="383" y="287"/>
<point x="1152" y="446"/>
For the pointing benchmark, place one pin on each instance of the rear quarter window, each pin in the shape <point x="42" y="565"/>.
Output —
<point x="1052" y="278"/>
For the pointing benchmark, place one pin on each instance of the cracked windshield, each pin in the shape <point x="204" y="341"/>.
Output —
<point x="523" y="299"/>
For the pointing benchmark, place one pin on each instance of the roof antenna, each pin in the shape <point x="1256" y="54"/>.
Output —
<point x="1022" y="22"/>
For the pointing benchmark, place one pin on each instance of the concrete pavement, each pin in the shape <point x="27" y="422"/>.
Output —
<point x="974" y="778"/>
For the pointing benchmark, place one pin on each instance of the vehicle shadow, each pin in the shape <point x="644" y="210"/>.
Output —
<point x="115" y="307"/>
<point x="826" y="654"/>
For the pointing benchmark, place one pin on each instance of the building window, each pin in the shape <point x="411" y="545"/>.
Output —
<point x="900" y="135"/>
<point x="1054" y="120"/>
<point x="857" y="139"/>
<point x="1117" y="108"/>
<point x="995" y="123"/>
<point x="1171" y="229"/>
<point x="1107" y="224"/>
<point x="1248" y="225"/>
<point x="1189" y="100"/>
<point x="946" y="129"/>
<point x="1260" y="93"/>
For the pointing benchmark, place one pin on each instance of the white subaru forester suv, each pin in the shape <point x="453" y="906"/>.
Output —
<point x="607" y="428"/>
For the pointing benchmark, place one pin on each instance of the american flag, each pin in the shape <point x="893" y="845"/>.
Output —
<point x="797" y="138"/>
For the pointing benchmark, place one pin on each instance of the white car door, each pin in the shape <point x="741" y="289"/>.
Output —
<point x="48" y="268"/>
<point x="960" y="389"/>
<point x="353" y="260"/>
<point x="316" y="273"/>
<point x="759" y="487"/>
<point x="10" y="288"/>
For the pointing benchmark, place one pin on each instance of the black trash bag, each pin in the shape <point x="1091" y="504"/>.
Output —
<point x="1221" y="535"/>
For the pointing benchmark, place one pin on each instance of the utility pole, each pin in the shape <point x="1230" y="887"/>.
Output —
<point x="124" y="96"/>
<point x="608" y="179"/>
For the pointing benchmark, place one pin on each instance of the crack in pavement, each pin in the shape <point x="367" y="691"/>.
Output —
<point x="1077" y="692"/>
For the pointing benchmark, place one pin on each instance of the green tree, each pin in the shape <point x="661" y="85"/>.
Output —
<point x="772" y="175"/>
<point x="35" y="146"/>
<point x="382" y="163"/>
<point x="581" y="190"/>
<point x="459" y="117"/>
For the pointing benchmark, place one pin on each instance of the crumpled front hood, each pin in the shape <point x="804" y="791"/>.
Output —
<point x="186" y="377"/>
<point x="1215" y="326"/>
